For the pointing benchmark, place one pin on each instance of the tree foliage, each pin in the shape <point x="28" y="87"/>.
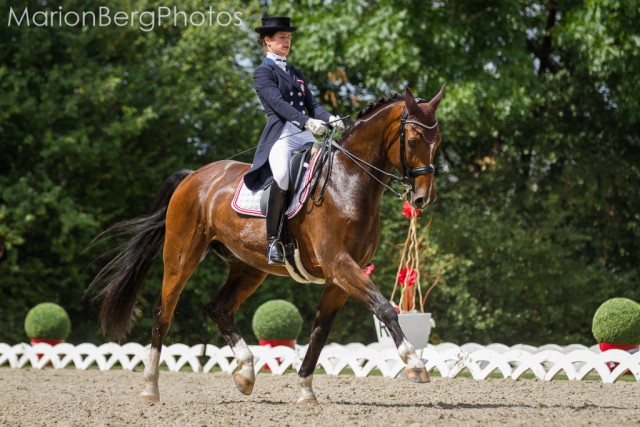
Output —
<point x="537" y="218"/>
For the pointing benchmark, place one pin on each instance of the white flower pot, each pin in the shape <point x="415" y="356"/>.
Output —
<point x="416" y="327"/>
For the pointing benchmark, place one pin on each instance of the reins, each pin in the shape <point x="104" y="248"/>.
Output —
<point x="325" y="158"/>
<point x="408" y="173"/>
<point x="359" y="162"/>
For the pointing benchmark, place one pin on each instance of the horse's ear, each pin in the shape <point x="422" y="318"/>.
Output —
<point x="436" y="99"/>
<point x="410" y="101"/>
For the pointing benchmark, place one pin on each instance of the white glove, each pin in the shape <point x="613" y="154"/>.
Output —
<point x="337" y="123"/>
<point x="317" y="127"/>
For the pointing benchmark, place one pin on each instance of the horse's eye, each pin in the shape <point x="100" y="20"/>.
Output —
<point x="412" y="143"/>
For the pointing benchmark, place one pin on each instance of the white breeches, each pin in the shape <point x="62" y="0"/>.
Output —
<point x="291" y="139"/>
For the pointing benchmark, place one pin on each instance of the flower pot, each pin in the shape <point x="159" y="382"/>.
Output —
<point x="626" y="347"/>
<point x="50" y="342"/>
<point x="631" y="348"/>
<point x="415" y="326"/>
<point x="275" y="343"/>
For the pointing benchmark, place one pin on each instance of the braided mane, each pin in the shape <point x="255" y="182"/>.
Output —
<point x="371" y="106"/>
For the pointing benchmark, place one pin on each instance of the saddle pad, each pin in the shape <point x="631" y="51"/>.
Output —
<point x="247" y="202"/>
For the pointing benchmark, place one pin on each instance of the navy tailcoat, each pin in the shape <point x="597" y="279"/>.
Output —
<point x="285" y="96"/>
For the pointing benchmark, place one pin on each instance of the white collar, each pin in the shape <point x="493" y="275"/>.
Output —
<point x="281" y="61"/>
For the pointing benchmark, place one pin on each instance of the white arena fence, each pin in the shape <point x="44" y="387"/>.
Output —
<point x="575" y="362"/>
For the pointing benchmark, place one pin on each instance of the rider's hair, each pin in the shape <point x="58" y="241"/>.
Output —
<point x="262" y="42"/>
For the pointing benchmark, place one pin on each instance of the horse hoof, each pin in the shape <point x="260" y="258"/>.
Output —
<point x="417" y="375"/>
<point x="308" y="401"/>
<point x="243" y="384"/>
<point x="148" y="398"/>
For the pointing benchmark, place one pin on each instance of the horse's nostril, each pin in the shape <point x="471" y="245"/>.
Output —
<point x="420" y="202"/>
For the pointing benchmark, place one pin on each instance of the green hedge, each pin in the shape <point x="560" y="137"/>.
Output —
<point x="617" y="321"/>
<point x="47" y="321"/>
<point x="277" y="320"/>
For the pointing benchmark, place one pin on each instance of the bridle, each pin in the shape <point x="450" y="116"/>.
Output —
<point x="408" y="173"/>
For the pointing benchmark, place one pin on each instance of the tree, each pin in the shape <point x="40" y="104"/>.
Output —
<point x="93" y="120"/>
<point x="539" y="96"/>
<point x="537" y="217"/>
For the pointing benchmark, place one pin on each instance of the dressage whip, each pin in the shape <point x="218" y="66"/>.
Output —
<point x="278" y="139"/>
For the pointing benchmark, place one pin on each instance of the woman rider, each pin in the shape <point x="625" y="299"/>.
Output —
<point x="293" y="117"/>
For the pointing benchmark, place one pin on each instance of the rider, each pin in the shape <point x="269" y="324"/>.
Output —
<point x="293" y="117"/>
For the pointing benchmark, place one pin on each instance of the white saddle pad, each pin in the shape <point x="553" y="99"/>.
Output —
<point x="247" y="202"/>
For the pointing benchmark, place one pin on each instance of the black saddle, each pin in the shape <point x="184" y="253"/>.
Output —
<point x="298" y="166"/>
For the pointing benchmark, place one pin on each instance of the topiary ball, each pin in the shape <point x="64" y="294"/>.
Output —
<point x="617" y="321"/>
<point x="277" y="320"/>
<point x="47" y="321"/>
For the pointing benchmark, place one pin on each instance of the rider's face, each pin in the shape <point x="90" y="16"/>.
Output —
<point x="280" y="43"/>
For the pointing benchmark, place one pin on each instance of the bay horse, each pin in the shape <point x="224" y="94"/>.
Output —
<point x="192" y="214"/>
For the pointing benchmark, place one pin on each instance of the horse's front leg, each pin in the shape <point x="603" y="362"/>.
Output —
<point x="349" y="276"/>
<point x="333" y="298"/>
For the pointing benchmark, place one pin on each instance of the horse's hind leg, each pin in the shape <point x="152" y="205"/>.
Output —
<point x="243" y="280"/>
<point x="333" y="298"/>
<point x="182" y="254"/>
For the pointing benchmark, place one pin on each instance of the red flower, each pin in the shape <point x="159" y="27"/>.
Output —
<point x="369" y="269"/>
<point x="407" y="277"/>
<point x="408" y="210"/>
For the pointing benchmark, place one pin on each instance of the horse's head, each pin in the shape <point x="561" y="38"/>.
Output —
<point x="419" y="140"/>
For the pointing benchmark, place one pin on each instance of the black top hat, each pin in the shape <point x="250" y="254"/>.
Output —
<point x="275" y="24"/>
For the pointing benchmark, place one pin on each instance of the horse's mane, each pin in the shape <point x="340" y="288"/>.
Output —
<point x="371" y="107"/>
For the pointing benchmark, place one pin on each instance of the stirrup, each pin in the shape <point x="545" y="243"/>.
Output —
<point x="275" y="253"/>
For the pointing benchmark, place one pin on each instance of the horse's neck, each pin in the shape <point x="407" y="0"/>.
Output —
<point x="369" y="138"/>
<point x="368" y="142"/>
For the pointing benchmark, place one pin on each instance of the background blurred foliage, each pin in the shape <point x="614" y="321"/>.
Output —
<point x="538" y="215"/>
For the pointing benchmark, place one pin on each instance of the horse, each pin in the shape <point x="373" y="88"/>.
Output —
<point x="337" y="237"/>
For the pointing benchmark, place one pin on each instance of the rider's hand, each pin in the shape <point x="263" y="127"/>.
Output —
<point x="336" y="122"/>
<point x="317" y="127"/>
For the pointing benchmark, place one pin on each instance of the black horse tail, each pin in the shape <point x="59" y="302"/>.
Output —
<point x="120" y="281"/>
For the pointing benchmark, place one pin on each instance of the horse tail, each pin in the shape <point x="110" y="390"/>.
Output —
<point x="121" y="279"/>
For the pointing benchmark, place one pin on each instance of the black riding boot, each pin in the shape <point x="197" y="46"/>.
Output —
<point x="275" y="213"/>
